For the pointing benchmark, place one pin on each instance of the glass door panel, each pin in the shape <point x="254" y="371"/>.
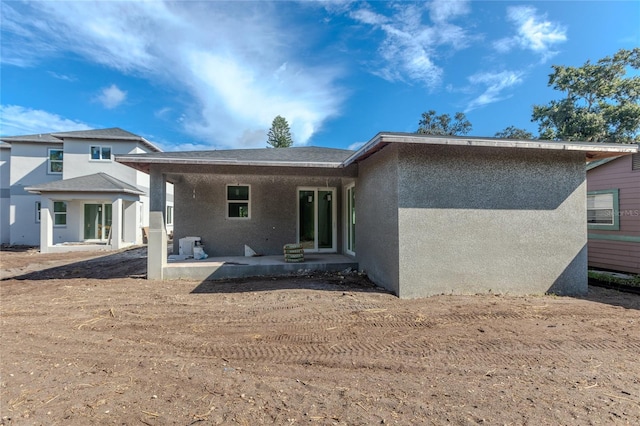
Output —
<point x="92" y="217"/>
<point x="306" y="217"/>
<point x="325" y="219"/>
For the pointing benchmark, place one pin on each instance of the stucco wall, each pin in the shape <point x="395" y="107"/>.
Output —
<point x="377" y="218"/>
<point x="475" y="219"/>
<point x="200" y="210"/>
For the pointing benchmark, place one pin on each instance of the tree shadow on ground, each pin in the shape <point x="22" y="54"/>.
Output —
<point x="612" y="297"/>
<point x="131" y="263"/>
<point x="329" y="281"/>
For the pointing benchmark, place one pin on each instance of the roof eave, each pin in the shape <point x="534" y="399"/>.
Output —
<point x="36" y="190"/>
<point x="226" y="162"/>
<point x="592" y="151"/>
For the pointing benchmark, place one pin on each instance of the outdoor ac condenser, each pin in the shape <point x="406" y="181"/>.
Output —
<point x="186" y="245"/>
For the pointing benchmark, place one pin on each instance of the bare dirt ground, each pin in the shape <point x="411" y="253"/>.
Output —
<point x="85" y="340"/>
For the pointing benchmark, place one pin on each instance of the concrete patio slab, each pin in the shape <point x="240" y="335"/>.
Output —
<point x="215" y="268"/>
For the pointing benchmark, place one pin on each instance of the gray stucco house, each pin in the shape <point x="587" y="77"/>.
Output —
<point x="421" y="215"/>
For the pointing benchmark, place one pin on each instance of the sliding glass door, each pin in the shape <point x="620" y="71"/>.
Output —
<point x="317" y="219"/>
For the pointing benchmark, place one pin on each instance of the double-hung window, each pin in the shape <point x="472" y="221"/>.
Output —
<point x="238" y="201"/>
<point x="55" y="161"/>
<point x="99" y="152"/>
<point x="38" y="207"/>
<point x="603" y="210"/>
<point x="59" y="213"/>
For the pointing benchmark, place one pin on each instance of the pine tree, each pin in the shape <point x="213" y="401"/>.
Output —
<point x="279" y="135"/>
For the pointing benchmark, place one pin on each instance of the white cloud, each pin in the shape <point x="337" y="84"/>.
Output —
<point x="534" y="32"/>
<point x="443" y="10"/>
<point x="111" y="97"/>
<point x="409" y="48"/>
<point x="17" y="120"/>
<point x="64" y="77"/>
<point x="356" y="146"/>
<point x="494" y="83"/>
<point x="176" y="44"/>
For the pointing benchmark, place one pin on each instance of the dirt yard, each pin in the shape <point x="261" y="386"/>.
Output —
<point x="86" y="340"/>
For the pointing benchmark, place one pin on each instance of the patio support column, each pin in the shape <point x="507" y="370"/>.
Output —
<point x="46" y="224"/>
<point x="157" y="244"/>
<point x="116" y="224"/>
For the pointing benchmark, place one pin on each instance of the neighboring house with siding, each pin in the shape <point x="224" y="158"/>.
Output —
<point x="66" y="192"/>
<point x="613" y="213"/>
<point x="5" y="199"/>
<point x="421" y="215"/>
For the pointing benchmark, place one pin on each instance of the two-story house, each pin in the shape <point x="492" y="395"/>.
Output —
<point x="66" y="193"/>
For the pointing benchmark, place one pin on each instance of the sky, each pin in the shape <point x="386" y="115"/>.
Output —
<point x="197" y="75"/>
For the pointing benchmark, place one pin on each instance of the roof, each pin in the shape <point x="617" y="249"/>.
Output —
<point x="337" y="158"/>
<point x="288" y="157"/>
<point x="593" y="151"/>
<point x="112" y="134"/>
<point x="99" y="182"/>
<point x="604" y="161"/>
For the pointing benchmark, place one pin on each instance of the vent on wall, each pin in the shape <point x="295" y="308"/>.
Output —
<point x="635" y="161"/>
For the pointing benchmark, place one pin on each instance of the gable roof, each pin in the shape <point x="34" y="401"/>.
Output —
<point x="310" y="156"/>
<point x="111" y="134"/>
<point x="99" y="182"/>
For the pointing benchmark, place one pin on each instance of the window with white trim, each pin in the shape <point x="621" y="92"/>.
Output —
<point x="99" y="152"/>
<point x="59" y="213"/>
<point x="602" y="209"/>
<point x="55" y="161"/>
<point x="238" y="202"/>
<point x="169" y="216"/>
<point x="38" y="207"/>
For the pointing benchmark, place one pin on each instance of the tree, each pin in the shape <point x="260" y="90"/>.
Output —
<point x="601" y="104"/>
<point x="513" y="132"/>
<point x="279" y="135"/>
<point x="432" y="124"/>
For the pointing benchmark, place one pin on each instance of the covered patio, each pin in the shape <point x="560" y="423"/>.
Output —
<point x="223" y="267"/>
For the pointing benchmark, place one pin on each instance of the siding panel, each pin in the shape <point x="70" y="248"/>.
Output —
<point x="618" y="255"/>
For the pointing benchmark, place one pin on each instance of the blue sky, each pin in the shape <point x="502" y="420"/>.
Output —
<point x="213" y="75"/>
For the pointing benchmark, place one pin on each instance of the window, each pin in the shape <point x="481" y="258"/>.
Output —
<point x="59" y="213"/>
<point x="635" y="161"/>
<point x="101" y="152"/>
<point x="602" y="210"/>
<point x="238" y="201"/>
<point x="351" y="219"/>
<point x="55" y="161"/>
<point x="169" y="217"/>
<point x="38" y="207"/>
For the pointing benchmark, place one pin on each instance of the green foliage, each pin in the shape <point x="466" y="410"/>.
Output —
<point x="279" y="135"/>
<point x="513" y="132"/>
<point x="633" y="280"/>
<point x="432" y="124"/>
<point x="601" y="103"/>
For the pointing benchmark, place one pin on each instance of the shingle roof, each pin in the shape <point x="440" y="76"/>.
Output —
<point x="112" y="134"/>
<point x="42" y="137"/>
<point x="99" y="182"/>
<point x="293" y="156"/>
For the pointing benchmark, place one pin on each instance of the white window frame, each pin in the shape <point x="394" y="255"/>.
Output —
<point x="347" y="219"/>
<point x="169" y="215"/>
<point x="101" y="149"/>
<point x="229" y="202"/>
<point x="615" y="210"/>
<point x="38" y="210"/>
<point x="50" y="162"/>
<point x="57" y="214"/>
